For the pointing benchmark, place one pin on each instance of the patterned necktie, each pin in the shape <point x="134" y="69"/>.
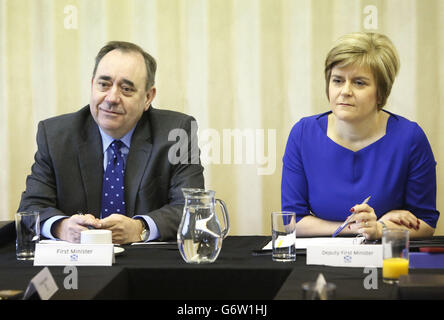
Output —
<point x="113" y="200"/>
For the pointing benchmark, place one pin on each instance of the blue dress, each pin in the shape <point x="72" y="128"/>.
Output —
<point x="322" y="178"/>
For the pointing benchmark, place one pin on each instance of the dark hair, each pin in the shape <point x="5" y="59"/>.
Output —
<point x="123" y="46"/>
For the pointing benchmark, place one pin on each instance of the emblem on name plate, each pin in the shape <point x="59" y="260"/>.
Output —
<point x="74" y="257"/>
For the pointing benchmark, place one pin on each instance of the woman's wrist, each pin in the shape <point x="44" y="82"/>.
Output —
<point x="381" y="226"/>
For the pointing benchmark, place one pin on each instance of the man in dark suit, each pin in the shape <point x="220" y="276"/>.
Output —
<point x="82" y="158"/>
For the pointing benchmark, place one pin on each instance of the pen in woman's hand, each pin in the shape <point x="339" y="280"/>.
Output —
<point x="353" y="211"/>
<point x="346" y="222"/>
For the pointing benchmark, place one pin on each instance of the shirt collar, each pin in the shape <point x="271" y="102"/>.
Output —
<point x="107" y="140"/>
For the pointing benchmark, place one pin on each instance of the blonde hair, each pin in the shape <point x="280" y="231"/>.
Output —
<point x="363" y="49"/>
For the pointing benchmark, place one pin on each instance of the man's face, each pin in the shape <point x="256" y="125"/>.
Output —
<point x="118" y="95"/>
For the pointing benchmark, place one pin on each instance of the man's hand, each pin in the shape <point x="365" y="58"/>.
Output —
<point x="69" y="229"/>
<point x="124" y="229"/>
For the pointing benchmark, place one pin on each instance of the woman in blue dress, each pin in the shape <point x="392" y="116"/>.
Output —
<point x="335" y="160"/>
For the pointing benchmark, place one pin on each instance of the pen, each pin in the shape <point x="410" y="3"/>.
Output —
<point x="342" y="226"/>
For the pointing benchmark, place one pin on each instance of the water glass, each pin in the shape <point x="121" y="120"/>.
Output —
<point x="283" y="230"/>
<point x="27" y="225"/>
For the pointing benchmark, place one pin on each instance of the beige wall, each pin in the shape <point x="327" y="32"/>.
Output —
<point x="245" y="64"/>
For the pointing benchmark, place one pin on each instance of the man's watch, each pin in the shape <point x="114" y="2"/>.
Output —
<point x="145" y="234"/>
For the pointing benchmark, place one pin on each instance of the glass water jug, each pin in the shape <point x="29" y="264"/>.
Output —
<point x="200" y="236"/>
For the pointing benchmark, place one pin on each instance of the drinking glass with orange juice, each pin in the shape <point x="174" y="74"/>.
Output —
<point x="395" y="247"/>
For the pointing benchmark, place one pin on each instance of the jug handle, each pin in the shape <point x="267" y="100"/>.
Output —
<point x="226" y="219"/>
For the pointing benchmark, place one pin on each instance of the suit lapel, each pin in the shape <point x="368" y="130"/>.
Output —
<point x="91" y="166"/>
<point x="138" y="157"/>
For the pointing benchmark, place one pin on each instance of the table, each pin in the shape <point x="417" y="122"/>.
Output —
<point x="158" y="272"/>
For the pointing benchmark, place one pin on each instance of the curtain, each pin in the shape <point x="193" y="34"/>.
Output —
<point x="247" y="70"/>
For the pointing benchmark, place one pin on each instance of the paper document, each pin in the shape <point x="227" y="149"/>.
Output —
<point x="153" y="243"/>
<point x="303" y="243"/>
<point x="53" y="241"/>
<point x="133" y="244"/>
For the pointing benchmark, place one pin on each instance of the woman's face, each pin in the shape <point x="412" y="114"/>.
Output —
<point x="352" y="93"/>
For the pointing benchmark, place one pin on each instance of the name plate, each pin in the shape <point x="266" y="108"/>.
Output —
<point x="73" y="254"/>
<point x="346" y="256"/>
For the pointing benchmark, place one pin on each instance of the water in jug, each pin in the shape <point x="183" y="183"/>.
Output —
<point x="200" y="236"/>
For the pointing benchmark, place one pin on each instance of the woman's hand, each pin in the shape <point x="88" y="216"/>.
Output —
<point x="365" y="222"/>
<point x="402" y="218"/>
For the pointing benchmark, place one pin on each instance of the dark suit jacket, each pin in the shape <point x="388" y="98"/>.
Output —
<point x="67" y="174"/>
